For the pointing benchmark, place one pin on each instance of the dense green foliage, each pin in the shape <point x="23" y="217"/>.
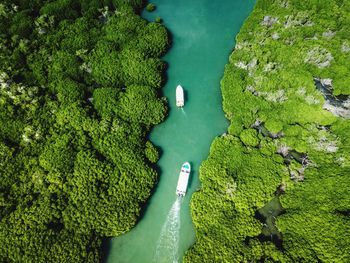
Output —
<point x="79" y="84"/>
<point x="276" y="188"/>
<point x="150" y="7"/>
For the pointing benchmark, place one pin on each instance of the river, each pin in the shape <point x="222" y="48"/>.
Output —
<point x="203" y="34"/>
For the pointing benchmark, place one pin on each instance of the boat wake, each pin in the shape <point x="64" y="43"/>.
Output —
<point x="168" y="242"/>
<point x="183" y="112"/>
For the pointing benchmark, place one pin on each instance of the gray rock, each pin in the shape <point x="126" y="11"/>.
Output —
<point x="337" y="111"/>
<point x="326" y="82"/>
<point x="345" y="47"/>
<point x="275" y="36"/>
<point x="319" y="56"/>
<point x="329" y="34"/>
<point x="269" y="21"/>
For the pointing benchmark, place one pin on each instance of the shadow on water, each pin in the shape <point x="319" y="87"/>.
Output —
<point x="190" y="179"/>
<point x="106" y="247"/>
<point x="164" y="78"/>
<point x="185" y="96"/>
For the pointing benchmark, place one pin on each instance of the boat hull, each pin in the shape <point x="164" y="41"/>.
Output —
<point x="182" y="182"/>
<point x="180" y="98"/>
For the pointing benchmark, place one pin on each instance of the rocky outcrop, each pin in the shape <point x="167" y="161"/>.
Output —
<point x="275" y="36"/>
<point x="329" y="34"/>
<point x="299" y="19"/>
<point x="339" y="111"/>
<point x="319" y="56"/>
<point x="269" y="21"/>
<point x="247" y="66"/>
<point x="338" y="106"/>
<point x="279" y="96"/>
<point x="345" y="48"/>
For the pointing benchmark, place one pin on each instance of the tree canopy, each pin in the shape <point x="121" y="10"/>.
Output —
<point x="79" y="93"/>
<point x="276" y="187"/>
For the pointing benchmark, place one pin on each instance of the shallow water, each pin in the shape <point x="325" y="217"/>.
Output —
<point x="203" y="33"/>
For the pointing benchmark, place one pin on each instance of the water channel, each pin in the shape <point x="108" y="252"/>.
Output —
<point x="203" y="34"/>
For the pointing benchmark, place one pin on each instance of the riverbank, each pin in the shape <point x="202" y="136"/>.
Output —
<point x="282" y="142"/>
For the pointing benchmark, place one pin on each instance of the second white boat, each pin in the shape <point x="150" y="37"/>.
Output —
<point x="180" y="98"/>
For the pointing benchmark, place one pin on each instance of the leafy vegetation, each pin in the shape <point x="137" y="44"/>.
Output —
<point x="276" y="187"/>
<point x="150" y="7"/>
<point x="79" y="87"/>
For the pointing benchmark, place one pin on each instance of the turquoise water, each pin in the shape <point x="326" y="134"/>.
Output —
<point x="203" y="33"/>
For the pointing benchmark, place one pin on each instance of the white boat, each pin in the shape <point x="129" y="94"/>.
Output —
<point x="180" y="100"/>
<point x="183" y="179"/>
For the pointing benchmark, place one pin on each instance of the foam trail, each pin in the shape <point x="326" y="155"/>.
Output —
<point x="183" y="112"/>
<point x="168" y="242"/>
